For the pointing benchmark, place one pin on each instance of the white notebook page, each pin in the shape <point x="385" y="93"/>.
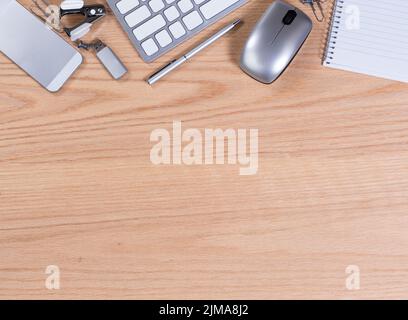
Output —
<point x="379" y="47"/>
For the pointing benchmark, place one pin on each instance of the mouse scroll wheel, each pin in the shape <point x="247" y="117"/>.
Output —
<point x="289" y="17"/>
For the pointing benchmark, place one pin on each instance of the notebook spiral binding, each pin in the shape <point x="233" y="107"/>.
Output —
<point x="332" y="34"/>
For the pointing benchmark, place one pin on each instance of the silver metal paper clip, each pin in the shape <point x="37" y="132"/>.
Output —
<point x="317" y="8"/>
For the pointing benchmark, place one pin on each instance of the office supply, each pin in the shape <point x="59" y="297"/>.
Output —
<point x="176" y="63"/>
<point x="53" y="16"/>
<point x="47" y="12"/>
<point x="39" y="51"/>
<point x="369" y="38"/>
<point x="317" y="8"/>
<point x="157" y="26"/>
<point x="91" y="14"/>
<point x="72" y="4"/>
<point x="275" y="41"/>
<point x="107" y="57"/>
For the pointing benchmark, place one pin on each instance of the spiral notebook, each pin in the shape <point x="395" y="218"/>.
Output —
<point x="369" y="37"/>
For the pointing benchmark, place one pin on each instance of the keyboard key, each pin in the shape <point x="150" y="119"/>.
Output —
<point x="199" y="1"/>
<point x="150" y="47"/>
<point x="177" y="30"/>
<point x="156" y="5"/>
<point x="214" y="7"/>
<point x="149" y="27"/>
<point x="185" y="5"/>
<point x="170" y="1"/>
<point x="137" y="16"/>
<point x="192" y="20"/>
<point x="126" y="5"/>
<point x="163" y="38"/>
<point x="171" y="14"/>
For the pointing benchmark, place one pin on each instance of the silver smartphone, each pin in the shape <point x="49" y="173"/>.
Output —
<point x="34" y="47"/>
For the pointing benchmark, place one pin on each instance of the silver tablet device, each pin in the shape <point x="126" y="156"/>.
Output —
<point x="34" y="47"/>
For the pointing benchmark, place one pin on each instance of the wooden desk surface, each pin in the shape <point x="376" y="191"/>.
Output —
<point x="78" y="190"/>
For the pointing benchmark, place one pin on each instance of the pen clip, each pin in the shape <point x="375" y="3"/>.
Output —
<point x="161" y="69"/>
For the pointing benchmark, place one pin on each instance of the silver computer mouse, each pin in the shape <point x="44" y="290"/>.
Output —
<point x="275" y="41"/>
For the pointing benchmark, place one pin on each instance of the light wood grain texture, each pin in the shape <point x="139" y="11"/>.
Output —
<point x="77" y="188"/>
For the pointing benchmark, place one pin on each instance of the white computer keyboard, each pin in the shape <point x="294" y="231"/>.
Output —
<point x="157" y="26"/>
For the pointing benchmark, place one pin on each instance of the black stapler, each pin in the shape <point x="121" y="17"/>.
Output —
<point x="53" y="15"/>
<point x="91" y="13"/>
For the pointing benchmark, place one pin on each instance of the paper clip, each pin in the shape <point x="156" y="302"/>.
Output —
<point x="317" y="8"/>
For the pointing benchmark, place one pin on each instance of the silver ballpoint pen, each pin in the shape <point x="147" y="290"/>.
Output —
<point x="176" y="63"/>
